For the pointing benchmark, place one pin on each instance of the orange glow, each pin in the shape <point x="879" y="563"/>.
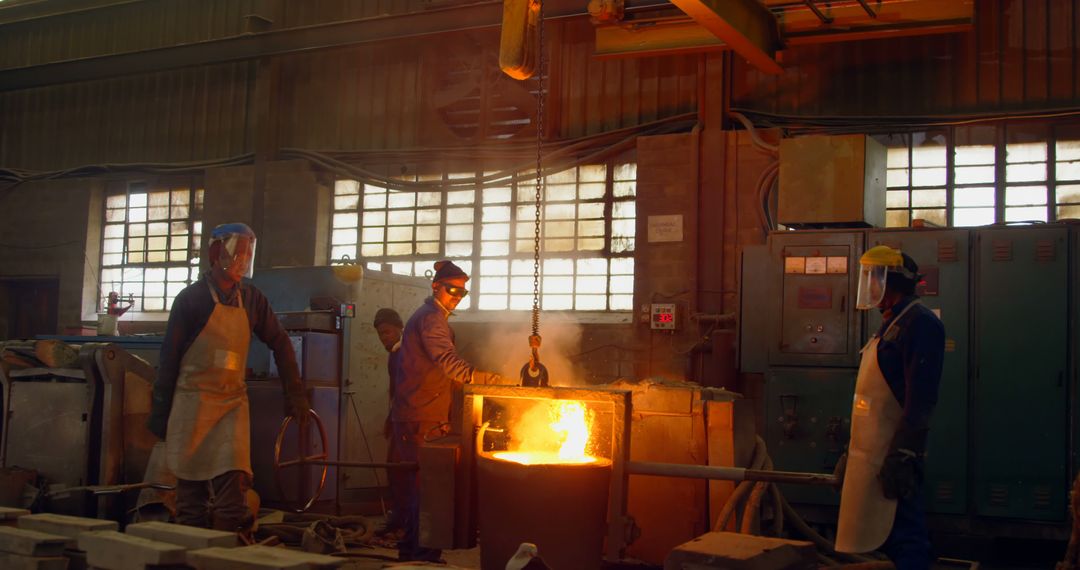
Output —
<point x="551" y="432"/>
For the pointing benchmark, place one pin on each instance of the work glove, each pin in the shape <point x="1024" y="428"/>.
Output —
<point x="157" y="426"/>
<point x="901" y="474"/>
<point x="840" y="470"/>
<point x="482" y="377"/>
<point x="297" y="405"/>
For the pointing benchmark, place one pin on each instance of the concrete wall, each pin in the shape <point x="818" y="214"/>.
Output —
<point x="43" y="233"/>
<point x="293" y="227"/>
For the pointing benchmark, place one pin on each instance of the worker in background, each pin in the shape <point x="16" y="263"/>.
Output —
<point x="881" y="502"/>
<point x="389" y="326"/>
<point x="200" y="405"/>
<point x="430" y="367"/>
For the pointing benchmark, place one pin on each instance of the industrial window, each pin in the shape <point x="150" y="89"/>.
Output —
<point x="981" y="175"/>
<point x="150" y="244"/>
<point x="587" y="234"/>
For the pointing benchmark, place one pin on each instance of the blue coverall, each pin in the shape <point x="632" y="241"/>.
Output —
<point x="911" y="359"/>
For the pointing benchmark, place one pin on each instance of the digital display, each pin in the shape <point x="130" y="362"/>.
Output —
<point x="663" y="317"/>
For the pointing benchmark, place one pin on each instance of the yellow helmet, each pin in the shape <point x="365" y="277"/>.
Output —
<point x="884" y="256"/>
<point x="874" y="268"/>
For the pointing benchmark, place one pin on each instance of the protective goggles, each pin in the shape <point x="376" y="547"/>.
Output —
<point x="454" y="291"/>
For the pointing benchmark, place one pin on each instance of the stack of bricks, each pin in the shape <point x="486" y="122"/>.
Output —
<point x="9" y="516"/>
<point x="59" y="542"/>
<point x="31" y="550"/>
<point x="68" y="527"/>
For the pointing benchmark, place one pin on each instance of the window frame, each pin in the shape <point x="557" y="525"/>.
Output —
<point x="196" y="195"/>
<point x="1002" y="140"/>
<point x="514" y="222"/>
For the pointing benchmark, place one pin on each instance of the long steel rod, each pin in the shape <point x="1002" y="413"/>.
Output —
<point x="408" y="466"/>
<point x="727" y="473"/>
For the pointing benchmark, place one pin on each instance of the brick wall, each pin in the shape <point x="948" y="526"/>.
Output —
<point x="666" y="272"/>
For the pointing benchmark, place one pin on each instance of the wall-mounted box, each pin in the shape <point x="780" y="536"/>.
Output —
<point x="831" y="182"/>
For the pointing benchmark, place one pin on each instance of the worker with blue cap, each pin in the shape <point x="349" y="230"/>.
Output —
<point x="430" y="371"/>
<point x="881" y="503"/>
<point x="200" y="404"/>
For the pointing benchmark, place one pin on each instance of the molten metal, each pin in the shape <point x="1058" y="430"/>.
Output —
<point x="555" y="432"/>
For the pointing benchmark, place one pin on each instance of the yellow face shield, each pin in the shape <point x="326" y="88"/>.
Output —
<point x="874" y="268"/>
<point x="871" y="291"/>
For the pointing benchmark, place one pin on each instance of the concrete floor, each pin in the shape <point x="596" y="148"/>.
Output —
<point x="375" y="557"/>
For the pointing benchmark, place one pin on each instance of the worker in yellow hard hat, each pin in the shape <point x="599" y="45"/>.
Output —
<point x="881" y="504"/>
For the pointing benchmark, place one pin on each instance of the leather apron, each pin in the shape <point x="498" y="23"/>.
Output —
<point x="866" y="516"/>
<point x="209" y="428"/>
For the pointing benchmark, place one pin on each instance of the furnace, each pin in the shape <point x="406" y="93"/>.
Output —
<point x="540" y="465"/>
<point x="545" y="479"/>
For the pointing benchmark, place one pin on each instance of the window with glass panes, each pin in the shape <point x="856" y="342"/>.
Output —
<point x="983" y="174"/>
<point x="150" y="244"/>
<point x="587" y="233"/>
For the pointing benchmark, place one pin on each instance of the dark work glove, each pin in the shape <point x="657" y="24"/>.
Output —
<point x="157" y="426"/>
<point x="840" y="470"/>
<point x="901" y="475"/>
<point x="297" y="406"/>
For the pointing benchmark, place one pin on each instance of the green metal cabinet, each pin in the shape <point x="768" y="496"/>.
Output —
<point x="807" y="424"/>
<point x="817" y="324"/>
<point x="1020" y="405"/>
<point x="1074" y="349"/>
<point x="759" y="304"/>
<point x="944" y="259"/>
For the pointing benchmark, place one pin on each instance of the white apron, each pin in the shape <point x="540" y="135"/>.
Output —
<point x="209" y="430"/>
<point x="866" y="516"/>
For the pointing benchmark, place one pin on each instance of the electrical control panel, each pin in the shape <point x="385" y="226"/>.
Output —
<point x="663" y="317"/>
<point x="817" y="324"/>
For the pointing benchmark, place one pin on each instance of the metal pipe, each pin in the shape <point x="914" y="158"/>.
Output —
<point x="728" y="473"/>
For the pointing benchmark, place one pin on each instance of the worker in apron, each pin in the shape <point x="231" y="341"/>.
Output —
<point x="200" y="404"/>
<point x="881" y="503"/>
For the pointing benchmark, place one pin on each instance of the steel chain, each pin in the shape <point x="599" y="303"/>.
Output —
<point x="539" y="177"/>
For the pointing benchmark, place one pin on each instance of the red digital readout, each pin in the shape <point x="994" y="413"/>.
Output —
<point x="665" y="318"/>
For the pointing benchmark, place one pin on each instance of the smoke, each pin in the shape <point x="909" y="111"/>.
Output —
<point x="504" y="348"/>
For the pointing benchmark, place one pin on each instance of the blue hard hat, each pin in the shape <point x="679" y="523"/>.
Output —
<point x="233" y="229"/>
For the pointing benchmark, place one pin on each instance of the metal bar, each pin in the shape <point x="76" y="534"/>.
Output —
<point x="727" y="473"/>
<point x="660" y="36"/>
<point x="28" y="11"/>
<point x="405" y="466"/>
<point x="745" y="25"/>
<point x="479" y="15"/>
<point x="817" y="12"/>
<point x="869" y="10"/>
<point x="619" y="523"/>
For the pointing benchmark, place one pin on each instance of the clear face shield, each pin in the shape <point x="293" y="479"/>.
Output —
<point x="238" y="256"/>
<point x="871" y="286"/>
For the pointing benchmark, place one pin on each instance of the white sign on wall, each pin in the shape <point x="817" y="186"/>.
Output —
<point x="665" y="228"/>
